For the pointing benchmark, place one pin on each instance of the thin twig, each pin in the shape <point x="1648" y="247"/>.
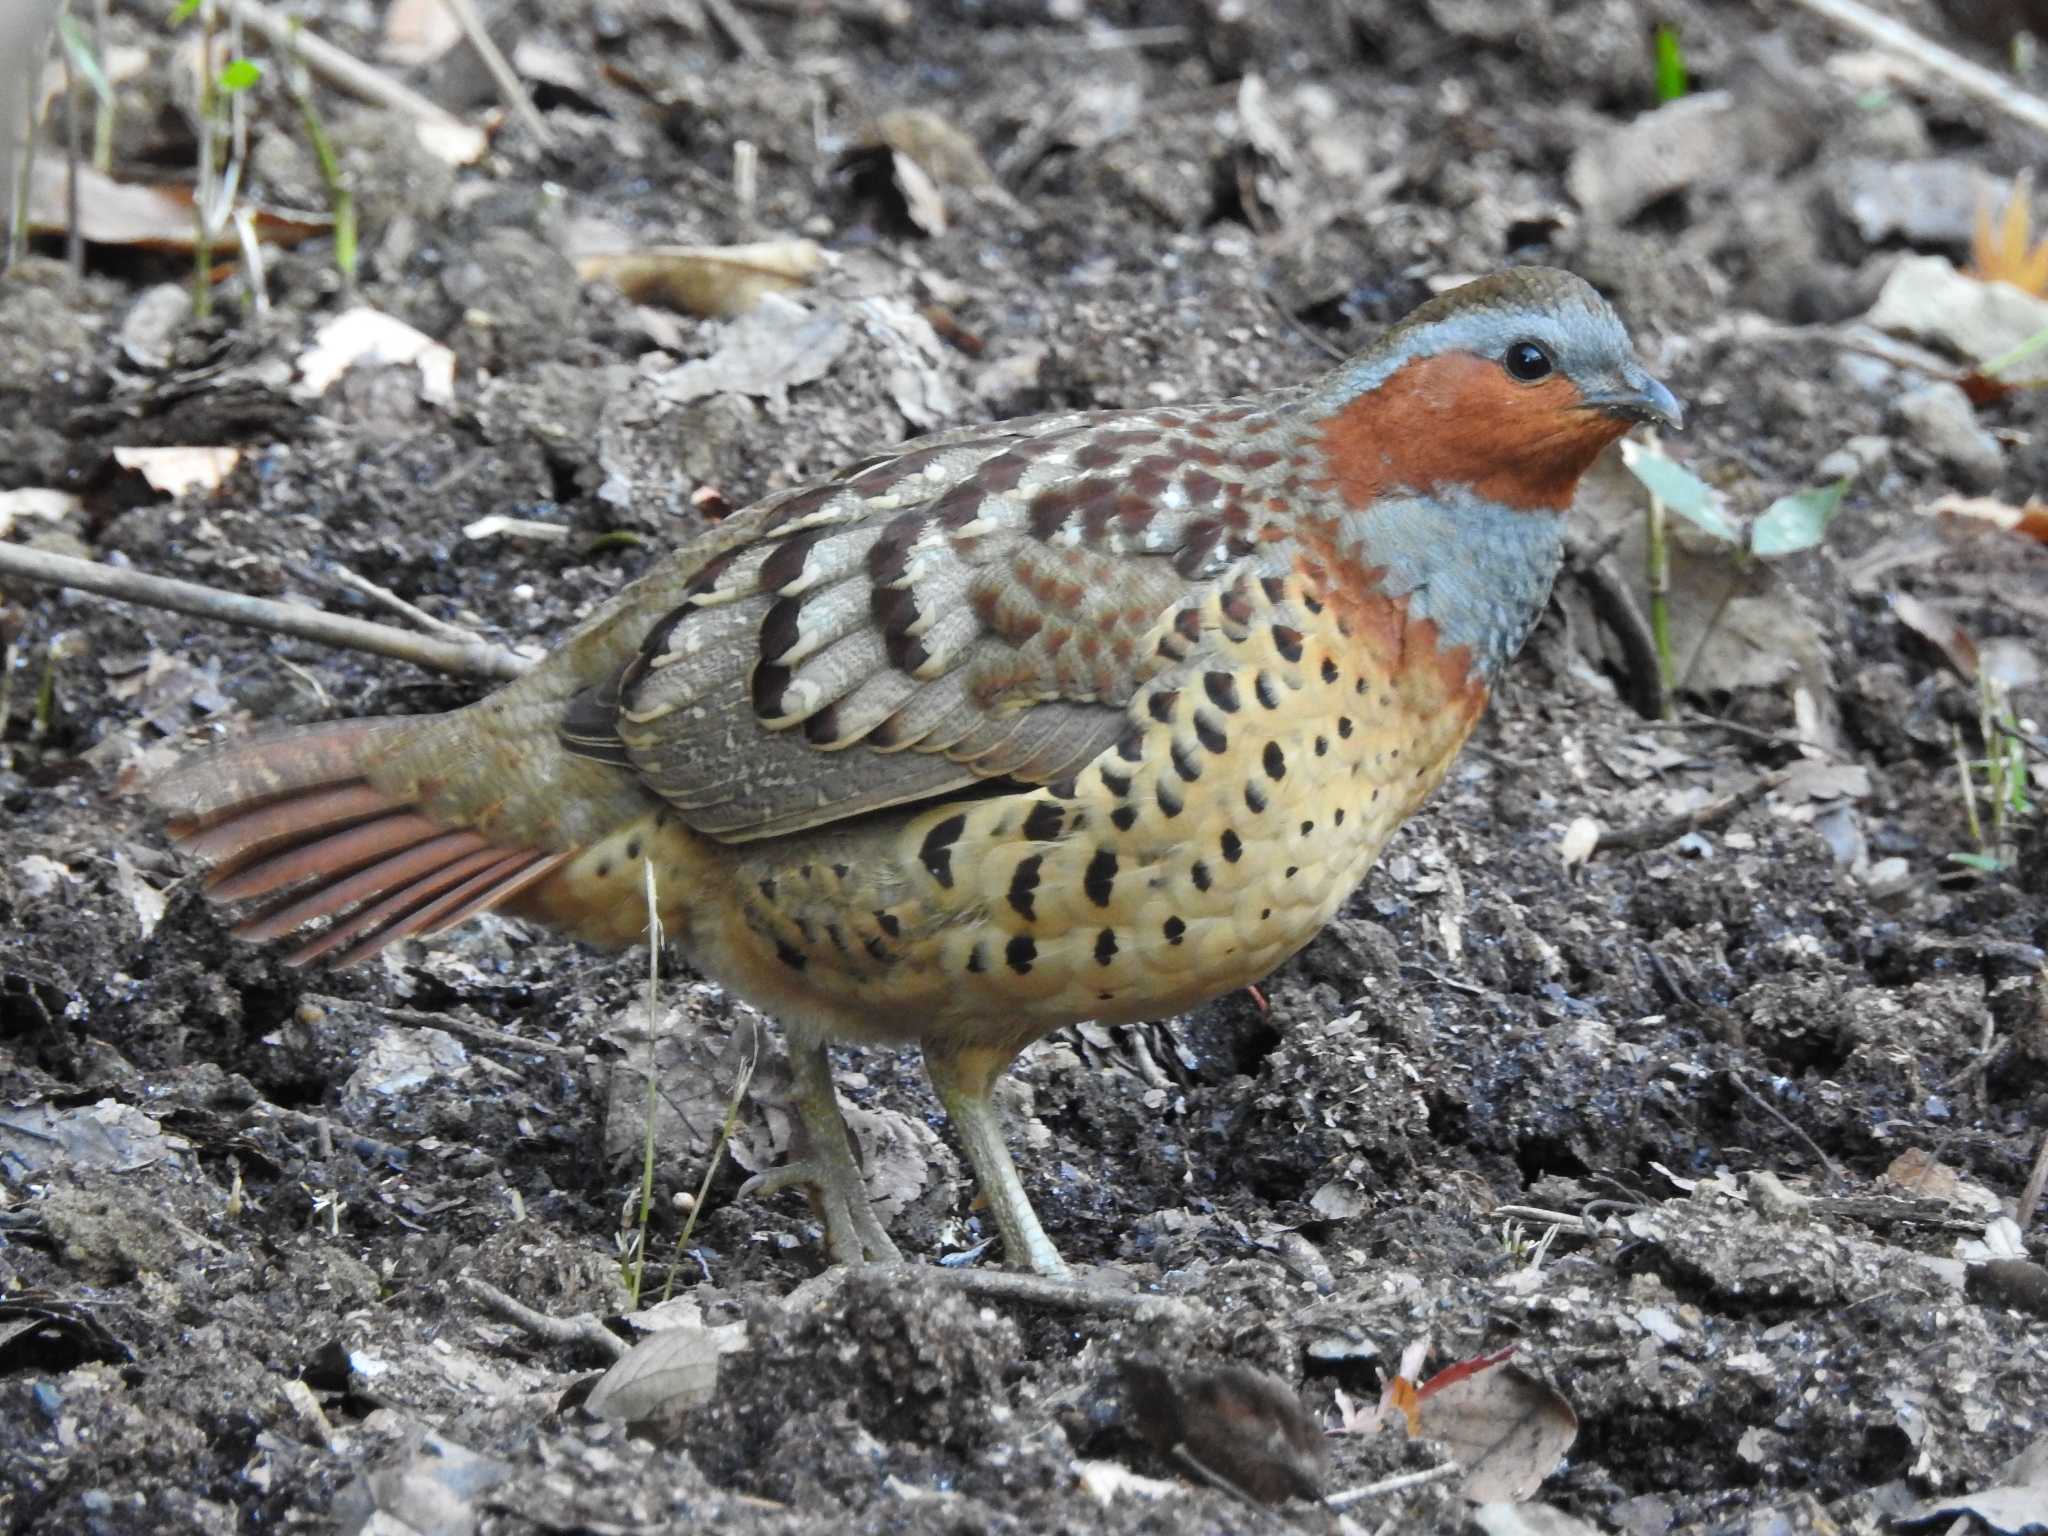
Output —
<point x="470" y="659"/>
<point x="740" y="30"/>
<point x="1971" y="79"/>
<point x="1779" y="1115"/>
<point x="515" y="94"/>
<point x="887" y="14"/>
<point x="2030" y="1197"/>
<point x="455" y="1024"/>
<point x="397" y="604"/>
<point x="342" y="69"/>
<point x="1004" y="1285"/>
<point x="581" y="1328"/>
<point x="1397" y="1484"/>
<point x="1669" y="829"/>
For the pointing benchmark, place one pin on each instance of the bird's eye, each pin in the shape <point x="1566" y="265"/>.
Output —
<point x="1526" y="361"/>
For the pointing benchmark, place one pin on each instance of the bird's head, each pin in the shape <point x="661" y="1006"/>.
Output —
<point x="1509" y="386"/>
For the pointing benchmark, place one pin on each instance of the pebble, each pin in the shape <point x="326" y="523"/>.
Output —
<point x="1940" y="419"/>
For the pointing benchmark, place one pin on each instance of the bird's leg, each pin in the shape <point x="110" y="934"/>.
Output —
<point x="963" y="1079"/>
<point x="827" y="1169"/>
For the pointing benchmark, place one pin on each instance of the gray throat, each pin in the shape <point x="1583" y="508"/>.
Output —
<point x="1480" y="571"/>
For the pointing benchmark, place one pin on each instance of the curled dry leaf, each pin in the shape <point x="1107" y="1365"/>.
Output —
<point x="716" y="281"/>
<point x="665" y="1372"/>
<point x="151" y="217"/>
<point x="1977" y="512"/>
<point x="1939" y="630"/>
<point x="1579" y="841"/>
<point x="1506" y="1428"/>
<point x="418" y="31"/>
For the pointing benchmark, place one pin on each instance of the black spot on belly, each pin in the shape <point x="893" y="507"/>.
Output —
<point x="1233" y="846"/>
<point x="1307" y="827"/>
<point x="841" y="871"/>
<point x="1020" y="952"/>
<point x="1118" y="784"/>
<point x="1105" y="946"/>
<point x="1344" y="727"/>
<point x="1322" y="746"/>
<point x="1124" y="817"/>
<point x="790" y="956"/>
<point x="1161" y="704"/>
<point x="1170" y="802"/>
<point x="937" y="853"/>
<point x="604" y="870"/>
<point x="1288" y="641"/>
<point x="1174" y="929"/>
<point x="1268" y="691"/>
<point x="1254" y="798"/>
<point x="1185" y="763"/>
<point x="1339" y="818"/>
<point x="1329" y="670"/>
<point x="632" y="848"/>
<point x="1201" y="876"/>
<point x="1211" y="735"/>
<point x="1023" y="883"/>
<point x="1100" y="879"/>
<point x="977" y="959"/>
<point x="1045" y="822"/>
<point x="1222" y="690"/>
<point x="1275" y="761"/>
<point x="767" y="889"/>
<point x="889" y="923"/>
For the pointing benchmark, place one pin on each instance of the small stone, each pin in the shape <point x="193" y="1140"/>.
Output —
<point x="1940" y="419"/>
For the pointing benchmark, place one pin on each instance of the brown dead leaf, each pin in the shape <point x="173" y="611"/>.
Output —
<point x="944" y="153"/>
<point x="1506" y="1428"/>
<point x="1922" y="1175"/>
<point x="154" y="217"/>
<point x="1939" y="630"/>
<point x="1973" y="512"/>
<point x="716" y="281"/>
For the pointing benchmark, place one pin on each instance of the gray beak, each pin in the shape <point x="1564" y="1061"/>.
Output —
<point x="1642" y="398"/>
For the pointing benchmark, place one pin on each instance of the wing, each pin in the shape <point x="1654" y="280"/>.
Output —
<point x="977" y="606"/>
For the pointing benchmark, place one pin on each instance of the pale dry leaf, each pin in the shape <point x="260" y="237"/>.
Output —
<point x="766" y="352"/>
<point x="452" y="143"/>
<point x="1107" y="1481"/>
<point x="1579" y="841"/>
<point x="1506" y="1428"/>
<point x="175" y="471"/>
<point x="144" y="899"/>
<point x="365" y="335"/>
<point x="418" y="31"/>
<point x="716" y="281"/>
<point x="1989" y="512"/>
<point x="1922" y="1175"/>
<point x="675" y="1368"/>
<point x="37" y="501"/>
<point x="922" y="199"/>
<point x="948" y="156"/>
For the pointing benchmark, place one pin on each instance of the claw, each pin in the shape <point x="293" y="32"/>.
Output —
<point x="827" y="1171"/>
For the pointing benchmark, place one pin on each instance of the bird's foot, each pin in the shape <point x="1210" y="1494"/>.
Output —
<point x="853" y="1233"/>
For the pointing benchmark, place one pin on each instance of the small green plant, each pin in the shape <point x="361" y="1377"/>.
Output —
<point x="1671" y="80"/>
<point x="2001" y="779"/>
<point x="219" y="179"/>
<point x="340" y="197"/>
<point x="1789" y="525"/>
<point x="85" y="51"/>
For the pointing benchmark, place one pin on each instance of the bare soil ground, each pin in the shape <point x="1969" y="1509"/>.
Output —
<point x="237" y="1202"/>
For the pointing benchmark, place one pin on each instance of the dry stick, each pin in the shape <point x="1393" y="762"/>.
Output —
<point x="397" y="604"/>
<point x="582" y="1328"/>
<point x="740" y="30"/>
<point x="1395" y="1484"/>
<point x="343" y="70"/>
<point x="461" y="659"/>
<point x="1655" y="834"/>
<point x="1971" y="79"/>
<point x="2030" y="1197"/>
<point x="472" y="23"/>
<point x="1783" y="1119"/>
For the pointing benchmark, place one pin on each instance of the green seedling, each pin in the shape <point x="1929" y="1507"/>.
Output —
<point x="1788" y="526"/>
<point x="213" y="203"/>
<point x="1671" y="81"/>
<point x="84" y="53"/>
<point x="340" y="196"/>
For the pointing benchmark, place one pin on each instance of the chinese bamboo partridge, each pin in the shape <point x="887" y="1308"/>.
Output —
<point x="1094" y="715"/>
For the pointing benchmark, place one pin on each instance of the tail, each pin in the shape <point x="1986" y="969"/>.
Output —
<point x="293" y="821"/>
